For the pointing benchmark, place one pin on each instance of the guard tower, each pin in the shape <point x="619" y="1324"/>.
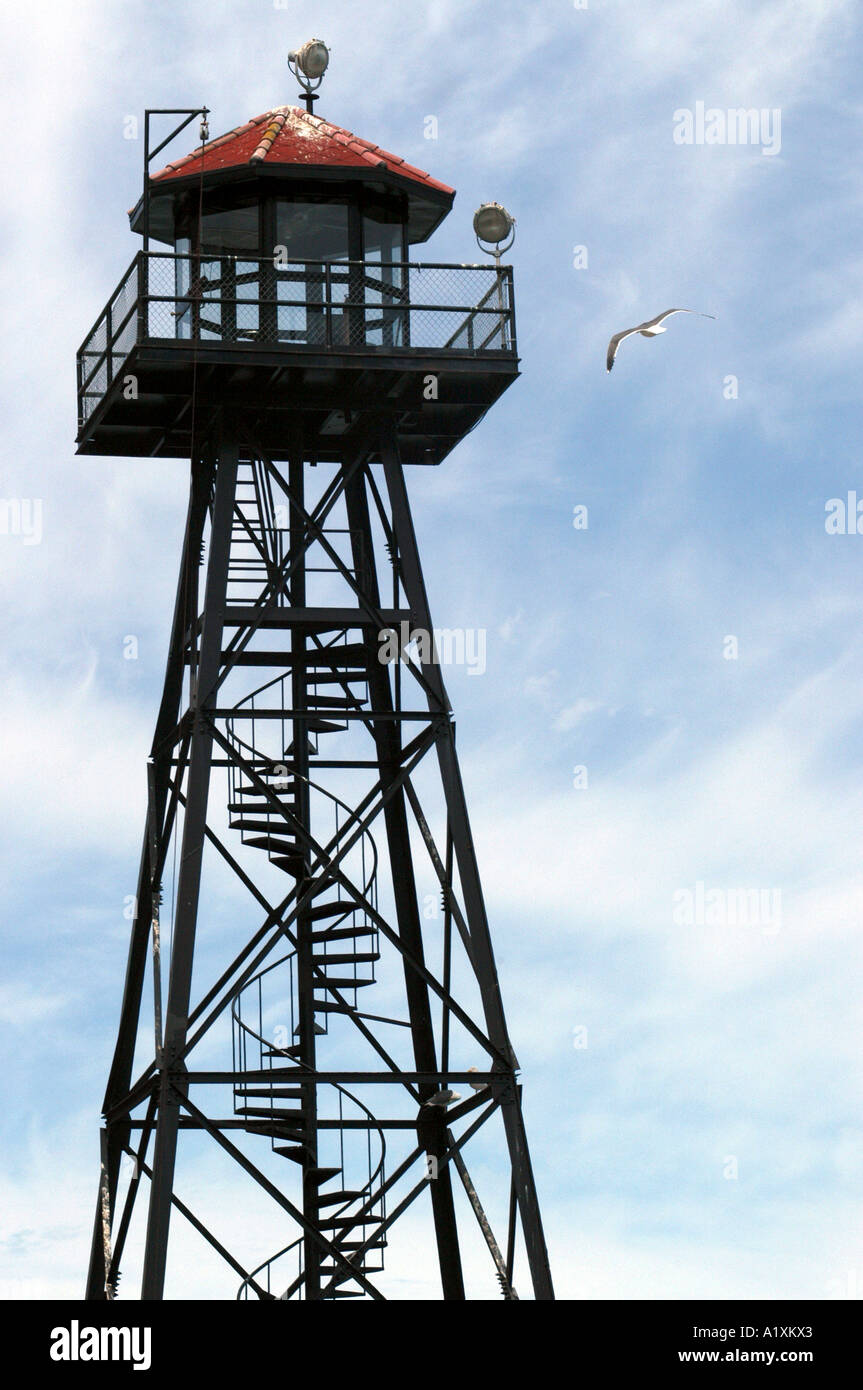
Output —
<point x="342" y="1038"/>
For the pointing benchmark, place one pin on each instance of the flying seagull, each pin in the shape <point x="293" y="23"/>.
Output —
<point x="647" y="330"/>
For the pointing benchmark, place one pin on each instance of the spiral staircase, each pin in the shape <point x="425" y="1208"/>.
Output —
<point x="344" y="953"/>
<point x="268" y="797"/>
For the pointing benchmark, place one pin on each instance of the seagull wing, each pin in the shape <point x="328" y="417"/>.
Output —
<point x="668" y="312"/>
<point x="645" y="328"/>
<point x="615" y="342"/>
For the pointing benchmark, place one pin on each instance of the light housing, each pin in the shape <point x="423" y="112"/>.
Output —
<point x="311" y="61"/>
<point x="493" y="225"/>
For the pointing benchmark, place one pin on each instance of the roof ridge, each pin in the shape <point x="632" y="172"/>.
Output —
<point x="290" y="134"/>
<point x="276" y="126"/>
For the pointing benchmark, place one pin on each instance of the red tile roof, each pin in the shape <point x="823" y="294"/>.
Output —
<point x="289" y="135"/>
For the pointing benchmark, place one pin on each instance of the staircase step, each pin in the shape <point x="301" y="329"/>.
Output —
<point x="291" y="863"/>
<point x="239" y="806"/>
<point x="323" y="726"/>
<point x="341" y="655"/>
<point x="347" y="1223"/>
<point x="255" y="797"/>
<point x="343" y="678"/>
<point x="292" y="1051"/>
<point x="346" y="958"/>
<point x="361" y="1245"/>
<point x="325" y="1006"/>
<point x="274" y="842"/>
<point x="320" y="1030"/>
<point x="347" y="982"/>
<point x="295" y="1152"/>
<point x="271" y="827"/>
<point x="331" y="909"/>
<point x="326" y="702"/>
<point x="336" y="1271"/>
<point x="331" y="1199"/>
<point x="278" y="792"/>
<point x="265" y="1092"/>
<point x="266" y="767"/>
<point x="282" y="1117"/>
<point x="342" y="933"/>
<point x="285" y="1132"/>
<point x="322" y="1175"/>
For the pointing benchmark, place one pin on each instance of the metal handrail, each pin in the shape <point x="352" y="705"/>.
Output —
<point x="332" y="266"/>
<point x="367" y="1192"/>
<point x="395" y="282"/>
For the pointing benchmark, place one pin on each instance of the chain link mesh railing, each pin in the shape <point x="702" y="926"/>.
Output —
<point x="319" y="305"/>
<point x="109" y="343"/>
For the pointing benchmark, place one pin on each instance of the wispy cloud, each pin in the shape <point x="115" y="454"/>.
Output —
<point x="706" y="520"/>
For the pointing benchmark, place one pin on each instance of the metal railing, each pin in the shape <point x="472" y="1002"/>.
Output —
<point x="320" y="305"/>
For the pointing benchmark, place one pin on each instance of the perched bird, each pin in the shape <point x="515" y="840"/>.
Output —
<point x="647" y="330"/>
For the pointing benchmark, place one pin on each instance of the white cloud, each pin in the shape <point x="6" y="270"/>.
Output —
<point x="697" y="1040"/>
<point x="575" y="714"/>
<point x="22" y="1006"/>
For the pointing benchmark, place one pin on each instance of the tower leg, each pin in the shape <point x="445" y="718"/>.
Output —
<point x="431" y="1130"/>
<point x="188" y="888"/>
<point x="303" y="925"/>
<point x="193" y="725"/>
<point x="120" y="1077"/>
<point x="415" y="592"/>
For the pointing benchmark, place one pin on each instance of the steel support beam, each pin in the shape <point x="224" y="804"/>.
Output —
<point x="431" y="1126"/>
<point x="120" y="1075"/>
<point x="244" y="736"/>
<point x="189" y="883"/>
<point x="482" y="953"/>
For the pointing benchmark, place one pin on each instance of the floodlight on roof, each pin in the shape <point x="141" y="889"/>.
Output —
<point x="308" y="64"/>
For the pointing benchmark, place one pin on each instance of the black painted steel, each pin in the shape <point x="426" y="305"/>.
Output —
<point x="316" y="1044"/>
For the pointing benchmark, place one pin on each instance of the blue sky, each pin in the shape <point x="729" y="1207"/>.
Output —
<point x="605" y="645"/>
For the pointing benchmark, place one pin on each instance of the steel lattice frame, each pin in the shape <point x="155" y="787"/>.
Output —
<point x="251" y="507"/>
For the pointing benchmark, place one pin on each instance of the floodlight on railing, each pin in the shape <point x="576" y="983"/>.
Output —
<point x="308" y="64"/>
<point x="494" y="228"/>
